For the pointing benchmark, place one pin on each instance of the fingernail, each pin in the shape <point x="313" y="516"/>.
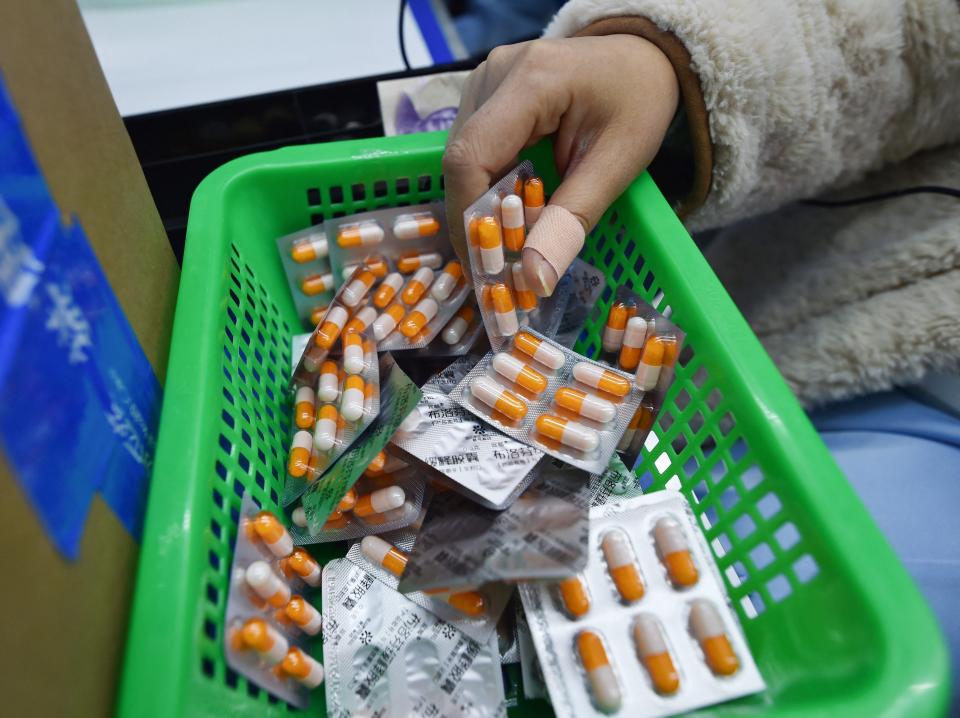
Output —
<point x="546" y="288"/>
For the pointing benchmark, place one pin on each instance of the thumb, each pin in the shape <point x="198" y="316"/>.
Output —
<point x="589" y="187"/>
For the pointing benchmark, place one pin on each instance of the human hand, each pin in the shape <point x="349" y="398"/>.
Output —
<point x="607" y="100"/>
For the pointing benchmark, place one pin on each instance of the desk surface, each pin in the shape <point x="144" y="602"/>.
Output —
<point x="161" y="55"/>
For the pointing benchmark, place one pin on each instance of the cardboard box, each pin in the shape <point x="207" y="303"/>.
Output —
<point x="65" y="623"/>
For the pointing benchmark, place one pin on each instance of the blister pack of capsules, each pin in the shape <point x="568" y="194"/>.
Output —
<point x="380" y="503"/>
<point x="496" y="229"/>
<point x="646" y="628"/>
<point x="306" y="265"/>
<point x="331" y="408"/>
<point x="637" y="338"/>
<point x="552" y="398"/>
<point x="387" y="656"/>
<point x="270" y="616"/>
<point x="473" y="459"/>
<point x="542" y="535"/>
<point x="473" y="610"/>
<point x="459" y="336"/>
<point x="410" y="284"/>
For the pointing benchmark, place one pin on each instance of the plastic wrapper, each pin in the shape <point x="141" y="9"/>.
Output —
<point x="411" y="284"/>
<point x="474" y="610"/>
<point x="616" y="485"/>
<point x="587" y="284"/>
<point x="306" y="265"/>
<point x="398" y="396"/>
<point x="469" y="456"/>
<point x="530" y="389"/>
<point x="264" y="593"/>
<point x="530" y="671"/>
<point x="387" y="656"/>
<point x="543" y="534"/>
<point x="655" y="634"/>
<point x="507" y="633"/>
<point x="496" y="225"/>
<point x="345" y="400"/>
<point x="298" y="344"/>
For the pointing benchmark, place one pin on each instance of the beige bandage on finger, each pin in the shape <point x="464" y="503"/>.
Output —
<point x="557" y="237"/>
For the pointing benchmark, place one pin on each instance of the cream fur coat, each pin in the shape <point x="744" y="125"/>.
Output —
<point x="835" y="99"/>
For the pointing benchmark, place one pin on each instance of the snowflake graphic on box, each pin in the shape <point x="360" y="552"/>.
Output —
<point x="66" y="320"/>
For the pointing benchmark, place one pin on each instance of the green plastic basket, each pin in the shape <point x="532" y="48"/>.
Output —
<point x="835" y="624"/>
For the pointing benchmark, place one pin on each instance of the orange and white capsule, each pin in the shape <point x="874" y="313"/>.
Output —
<point x="316" y="284"/>
<point x="302" y="668"/>
<point x="371" y="393"/>
<point x="584" y="404"/>
<point x="376" y="466"/>
<point x="533" y="200"/>
<point x="353" y="359"/>
<point x="674" y="552"/>
<point x="387" y="322"/>
<point x="444" y="285"/>
<point x="622" y="565"/>
<point x="336" y="520"/>
<point x="364" y="234"/>
<point x="306" y="617"/>
<point x="491" y="245"/>
<point x="387" y="290"/>
<point x="304" y="411"/>
<point x="384" y="554"/>
<point x="600" y="378"/>
<point x="526" y="299"/>
<point x="361" y="320"/>
<point x="357" y="288"/>
<point x="417" y="286"/>
<point x="328" y="386"/>
<point x="503" y="310"/>
<point x="614" y="328"/>
<point x="569" y="433"/>
<point x="273" y="533"/>
<point x="488" y="392"/>
<point x="316" y="314"/>
<point x="266" y="584"/>
<point x="330" y="329"/>
<point x="604" y="686"/>
<point x="304" y="565"/>
<point x="258" y="635"/>
<point x="470" y="603"/>
<point x="707" y="627"/>
<point x="641" y="421"/>
<point x="299" y="454"/>
<point x="379" y="501"/>
<point x="410" y="262"/>
<point x="299" y="517"/>
<point x="655" y="655"/>
<point x="351" y="403"/>
<point x="511" y="214"/>
<point x="514" y="370"/>
<point x="648" y="370"/>
<point x="325" y="432"/>
<point x="348" y="501"/>
<point x="539" y="350"/>
<point x="632" y="346"/>
<point x="419" y="317"/>
<point x="309" y="248"/>
<point x="412" y="226"/>
<point x="457" y="327"/>
<point x="573" y="593"/>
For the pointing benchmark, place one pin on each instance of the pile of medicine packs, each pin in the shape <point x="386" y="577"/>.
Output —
<point x="477" y="472"/>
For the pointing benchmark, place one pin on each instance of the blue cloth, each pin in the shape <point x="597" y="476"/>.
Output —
<point x="903" y="459"/>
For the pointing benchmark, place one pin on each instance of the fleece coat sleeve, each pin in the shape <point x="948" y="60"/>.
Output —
<point x="789" y="98"/>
